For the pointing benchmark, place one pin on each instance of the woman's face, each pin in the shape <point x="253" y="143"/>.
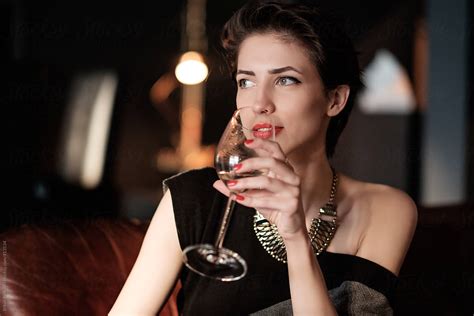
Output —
<point x="278" y="78"/>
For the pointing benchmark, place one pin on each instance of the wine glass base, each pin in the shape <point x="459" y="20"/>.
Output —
<point x="215" y="263"/>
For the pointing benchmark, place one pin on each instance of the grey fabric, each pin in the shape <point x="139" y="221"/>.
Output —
<point x="350" y="298"/>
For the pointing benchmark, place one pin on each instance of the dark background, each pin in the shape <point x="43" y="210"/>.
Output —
<point x="47" y="43"/>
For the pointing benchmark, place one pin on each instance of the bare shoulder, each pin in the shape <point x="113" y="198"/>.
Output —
<point x="388" y="203"/>
<point x="390" y="221"/>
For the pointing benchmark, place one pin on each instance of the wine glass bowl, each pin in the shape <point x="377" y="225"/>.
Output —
<point x="232" y="150"/>
<point x="213" y="260"/>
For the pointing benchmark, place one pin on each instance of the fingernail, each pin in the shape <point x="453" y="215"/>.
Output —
<point x="238" y="166"/>
<point x="231" y="182"/>
<point x="240" y="197"/>
<point x="248" y="141"/>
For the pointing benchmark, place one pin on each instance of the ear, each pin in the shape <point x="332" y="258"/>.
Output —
<point x="337" y="99"/>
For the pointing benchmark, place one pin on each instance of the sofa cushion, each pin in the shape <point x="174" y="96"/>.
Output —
<point x="74" y="267"/>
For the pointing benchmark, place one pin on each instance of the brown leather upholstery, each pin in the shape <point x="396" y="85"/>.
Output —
<point x="69" y="267"/>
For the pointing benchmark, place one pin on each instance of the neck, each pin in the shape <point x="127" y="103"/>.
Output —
<point x="316" y="179"/>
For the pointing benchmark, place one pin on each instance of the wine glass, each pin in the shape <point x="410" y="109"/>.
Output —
<point x="214" y="260"/>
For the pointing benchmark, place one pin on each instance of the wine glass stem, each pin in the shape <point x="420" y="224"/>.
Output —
<point x="225" y="221"/>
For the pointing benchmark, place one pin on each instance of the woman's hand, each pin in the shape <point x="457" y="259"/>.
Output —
<point x="276" y="195"/>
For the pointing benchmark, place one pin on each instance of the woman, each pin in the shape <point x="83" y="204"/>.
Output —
<point x="293" y="63"/>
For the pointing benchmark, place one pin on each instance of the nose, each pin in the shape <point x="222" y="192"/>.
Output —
<point x="263" y="102"/>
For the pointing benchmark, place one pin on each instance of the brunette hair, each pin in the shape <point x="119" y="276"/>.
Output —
<point x="327" y="44"/>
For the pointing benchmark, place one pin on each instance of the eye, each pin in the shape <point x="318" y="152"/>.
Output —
<point x="286" y="81"/>
<point x="245" y="83"/>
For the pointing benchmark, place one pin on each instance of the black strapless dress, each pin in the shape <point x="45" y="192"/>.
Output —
<point x="197" y="209"/>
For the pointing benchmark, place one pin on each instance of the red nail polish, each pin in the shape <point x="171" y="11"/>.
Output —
<point x="240" y="197"/>
<point x="238" y="166"/>
<point x="231" y="182"/>
<point x="248" y="141"/>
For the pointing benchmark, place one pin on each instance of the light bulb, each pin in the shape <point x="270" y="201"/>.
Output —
<point x="191" y="68"/>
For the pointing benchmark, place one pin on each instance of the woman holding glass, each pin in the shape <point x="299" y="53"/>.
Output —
<point x="312" y="241"/>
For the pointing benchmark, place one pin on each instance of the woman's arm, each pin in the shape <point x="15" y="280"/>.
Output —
<point x="309" y="294"/>
<point x="156" y="269"/>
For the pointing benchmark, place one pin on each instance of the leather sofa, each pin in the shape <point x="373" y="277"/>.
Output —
<point x="77" y="267"/>
<point x="69" y="267"/>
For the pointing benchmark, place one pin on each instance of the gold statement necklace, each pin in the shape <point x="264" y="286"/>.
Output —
<point x="321" y="231"/>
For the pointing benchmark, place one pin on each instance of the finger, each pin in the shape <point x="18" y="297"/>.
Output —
<point x="280" y="169"/>
<point x="271" y="147"/>
<point x="273" y="202"/>
<point x="264" y="183"/>
<point x="221" y="187"/>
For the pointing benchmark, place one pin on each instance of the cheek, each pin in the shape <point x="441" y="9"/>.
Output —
<point x="314" y="105"/>
<point x="241" y="99"/>
<point x="304" y="106"/>
<point x="305" y="115"/>
<point x="238" y="99"/>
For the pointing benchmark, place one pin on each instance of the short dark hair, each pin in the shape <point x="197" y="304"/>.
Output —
<point x="328" y="46"/>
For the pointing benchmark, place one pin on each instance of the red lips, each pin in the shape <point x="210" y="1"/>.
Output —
<point x="265" y="130"/>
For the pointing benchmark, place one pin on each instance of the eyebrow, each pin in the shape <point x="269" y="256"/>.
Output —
<point x="271" y="71"/>
<point x="283" y="69"/>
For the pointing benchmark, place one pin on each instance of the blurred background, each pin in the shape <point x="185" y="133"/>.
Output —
<point x="96" y="118"/>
